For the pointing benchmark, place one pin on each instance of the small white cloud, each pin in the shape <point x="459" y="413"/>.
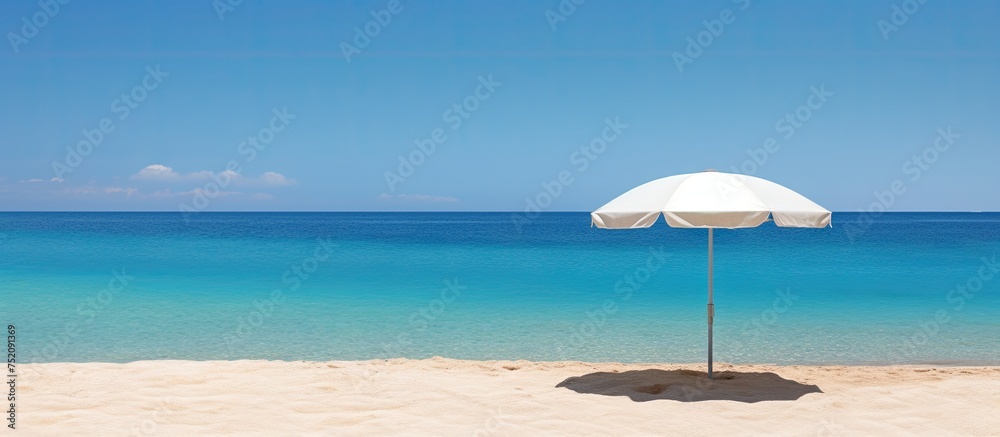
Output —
<point x="209" y="193"/>
<point x="204" y="174"/>
<point x="92" y="190"/>
<point x="275" y="179"/>
<point x="78" y="191"/>
<point x="36" y="181"/>
<point x="156" y="172"/>
<point x="127" y="191"/>
<point x="163" y="193"/>
<point x="416" y="198"/>
<point x="159" y="172"/>
<point x="57" y="180"/>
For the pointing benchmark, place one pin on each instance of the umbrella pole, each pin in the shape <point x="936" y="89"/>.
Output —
<point x="711" y="306"/>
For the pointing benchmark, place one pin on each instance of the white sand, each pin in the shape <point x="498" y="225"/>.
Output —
<point x="451" y="397"/>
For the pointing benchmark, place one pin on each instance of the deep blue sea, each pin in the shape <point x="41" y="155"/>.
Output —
<point x="117" y="287"/>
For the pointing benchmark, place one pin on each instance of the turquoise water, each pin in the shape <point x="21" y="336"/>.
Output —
<point x="344" y="286"/>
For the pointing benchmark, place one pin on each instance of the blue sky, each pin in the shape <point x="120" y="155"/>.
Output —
<point x="586" y="101"/>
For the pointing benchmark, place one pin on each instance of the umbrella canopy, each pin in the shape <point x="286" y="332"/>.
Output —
<point x="710" y="200"/>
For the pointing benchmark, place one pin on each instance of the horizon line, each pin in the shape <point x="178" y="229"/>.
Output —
<point x="422" y="211"/>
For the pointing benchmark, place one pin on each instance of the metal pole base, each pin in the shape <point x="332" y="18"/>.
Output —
<point x="711" y="320"/>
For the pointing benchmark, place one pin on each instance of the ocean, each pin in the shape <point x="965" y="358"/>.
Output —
<point x="118" y="287"/>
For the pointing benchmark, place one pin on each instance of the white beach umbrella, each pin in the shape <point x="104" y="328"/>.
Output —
<point x="710" y="200"/>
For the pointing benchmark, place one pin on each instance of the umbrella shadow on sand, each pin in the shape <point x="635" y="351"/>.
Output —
<point x="690" y="386"/>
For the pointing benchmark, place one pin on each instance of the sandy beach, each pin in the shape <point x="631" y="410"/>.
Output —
<point x="454" y="397"/>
